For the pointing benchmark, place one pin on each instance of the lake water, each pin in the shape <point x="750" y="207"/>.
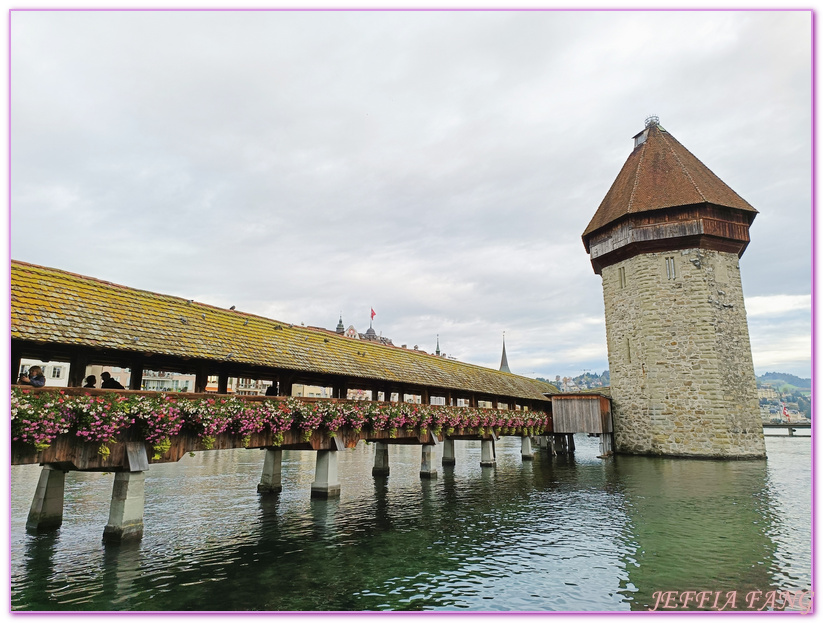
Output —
<point x="553" y="534"/>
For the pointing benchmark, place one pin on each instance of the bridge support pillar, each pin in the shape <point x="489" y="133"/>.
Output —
<point x="427" y="468"/>
<point x="381" y="459"/>
<point x="270" y="480"/>
<point x="47" y="506"/>
<point x="526" y="451"/>
<point x="487" y="453"/>
<point x="126" y="512"/>
<point x="606" y="444"/>
<point x="448" y="452"/>
<point x="326" y="485"/>
<point x="559" y="444"/>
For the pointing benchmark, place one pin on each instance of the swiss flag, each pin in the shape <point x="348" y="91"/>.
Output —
<point x="373" y="314"/>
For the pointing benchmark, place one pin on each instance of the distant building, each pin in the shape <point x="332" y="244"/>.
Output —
<point x="370" y="335"/>
<point x="767" y="392"/>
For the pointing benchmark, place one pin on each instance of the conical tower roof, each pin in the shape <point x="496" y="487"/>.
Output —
<point x="660" y="173"/>
<point x="504" y="362"/>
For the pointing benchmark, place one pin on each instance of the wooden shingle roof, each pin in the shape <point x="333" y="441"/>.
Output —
<point x="661" y="173"/>
<point x="51" y="306"/>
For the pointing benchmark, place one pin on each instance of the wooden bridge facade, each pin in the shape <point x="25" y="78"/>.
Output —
<point x="60" y="316"/>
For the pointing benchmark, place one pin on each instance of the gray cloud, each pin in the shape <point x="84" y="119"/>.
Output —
<point x="437" y="166"/>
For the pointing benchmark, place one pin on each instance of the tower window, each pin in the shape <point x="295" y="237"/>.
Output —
<point x="621" y="275"/>
<point x="670" y="272"/>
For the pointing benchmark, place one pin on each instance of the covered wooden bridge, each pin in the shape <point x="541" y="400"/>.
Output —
<point x="60" y="316"/>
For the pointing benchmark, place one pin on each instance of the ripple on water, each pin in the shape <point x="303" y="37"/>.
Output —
<point x="553" y="534"/>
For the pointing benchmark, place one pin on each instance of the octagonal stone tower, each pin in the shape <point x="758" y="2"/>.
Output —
<point x="666" y="241"/>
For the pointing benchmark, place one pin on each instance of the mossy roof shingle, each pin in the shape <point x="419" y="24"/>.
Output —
<point x="54" y="306"/>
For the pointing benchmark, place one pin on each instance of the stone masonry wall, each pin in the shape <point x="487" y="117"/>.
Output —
<point x="682" y="378"/>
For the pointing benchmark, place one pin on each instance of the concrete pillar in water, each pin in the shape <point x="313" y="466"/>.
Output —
<point x="47" y="506"/>
<point x="326" y="485"/>
<point x="487" y="453"/>
<point x="526" y="448"/>
<point x="448" y="452"/>
<point x="381" y="459"/>
<point x="270" y="481"/>
<point x="427" y="468"/>
<point x="126" y="511"/>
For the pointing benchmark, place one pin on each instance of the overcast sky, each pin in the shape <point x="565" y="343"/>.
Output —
<point x="439" y="167"/>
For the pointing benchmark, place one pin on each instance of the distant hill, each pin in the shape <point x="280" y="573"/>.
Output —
<point x="780" y="377"/>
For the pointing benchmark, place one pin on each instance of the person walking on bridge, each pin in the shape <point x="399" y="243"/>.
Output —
<point x="109" y="383"/>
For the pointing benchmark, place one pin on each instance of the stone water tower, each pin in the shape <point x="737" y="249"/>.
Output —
<point x="666" y="241"/>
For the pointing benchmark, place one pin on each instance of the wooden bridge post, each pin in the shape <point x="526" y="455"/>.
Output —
<point x="526" y="452"/>
<point x="271" y="479"/>
<point x="135" y="375"/>
<point x="448" y="452"/>
<point x="559" y="444"/>
<point x="223" y="382"/>
<point x="126" y="512"/>
<point x="381" y="459"/>
<point x="427" y="468"/>
<point x="606" y="444"/>
<point x="201" y="379"/>
<point x="286" y="382"/>
<point x="326" y="484"/>
<point x="47" y="506"/>
<point x="16" y="357"/>
<point x="340" y="389"/>
<point x="77" y="369"/>
<point x="487" y="453"/>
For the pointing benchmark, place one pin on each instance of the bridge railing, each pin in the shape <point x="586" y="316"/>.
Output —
<point x="93" y="429"/>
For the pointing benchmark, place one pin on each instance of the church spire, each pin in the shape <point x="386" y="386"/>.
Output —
<point x="504" y="363"/>
<point x="340" y="328"/>
<point x="437" y="352"/>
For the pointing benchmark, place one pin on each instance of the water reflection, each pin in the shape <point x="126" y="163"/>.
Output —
<point x="122" y="567"/>
<point x="39" y="564"/>
<point x="563" y="533"/>
<point x="697" y="526"/>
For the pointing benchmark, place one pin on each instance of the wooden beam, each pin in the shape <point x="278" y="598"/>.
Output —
<point x="285" y="383"/>
<point x="201" y="378"/>
<point x="77" y="368"/>
<point x="136" y="376"/>
<point x="16" y="357"/>
<point x="340" y="389"/>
